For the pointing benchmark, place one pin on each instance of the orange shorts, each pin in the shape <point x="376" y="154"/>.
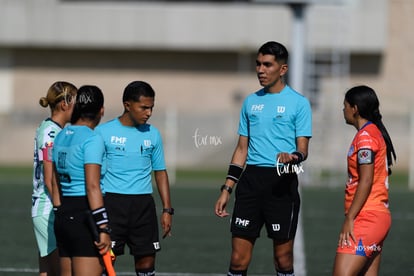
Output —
<point x="370" y="230"/>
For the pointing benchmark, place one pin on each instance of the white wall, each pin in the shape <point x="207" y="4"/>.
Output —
<point x="129" y="24"/>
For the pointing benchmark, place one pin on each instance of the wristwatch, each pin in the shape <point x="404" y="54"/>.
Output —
<point x="168" y="210"/>
<point x="106" y="229"/>
<point x="227" y="188"/>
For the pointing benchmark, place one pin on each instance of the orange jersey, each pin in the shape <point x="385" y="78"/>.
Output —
<point x="368" y="147"/>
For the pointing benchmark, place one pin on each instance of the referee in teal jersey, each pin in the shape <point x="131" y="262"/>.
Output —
<point x="274" y="131"/>
<point x="134" y="152"/>
<point x="78" y="162"/>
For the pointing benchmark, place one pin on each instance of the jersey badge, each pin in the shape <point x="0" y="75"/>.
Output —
<point x="115" y="140"/>
<point x="52" y="134"/>
<point x="147" y="143"/>
<point x="351" y="150"/>
<point x="365" y="156"/>
<point x="257" y="107"/>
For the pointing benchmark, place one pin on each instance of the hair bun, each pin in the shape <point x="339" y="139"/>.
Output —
<point x="43" y="102"/>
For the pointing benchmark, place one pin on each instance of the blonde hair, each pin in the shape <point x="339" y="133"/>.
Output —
<point x="58" y="91"/>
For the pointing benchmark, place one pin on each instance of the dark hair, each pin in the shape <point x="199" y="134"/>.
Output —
<point x="367" y="102"/>
<point x="89" y="102"/>
<point x="276" y="49"/>
<point x="136" y="89"/>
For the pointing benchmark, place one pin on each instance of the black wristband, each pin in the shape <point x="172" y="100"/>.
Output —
<point x="301" y="157"/>
<point x="234" y="172"/>
<point x="168" y="210"/>
<point x="100" y="216"/>
<point x="227" y="188"/>
<point x="105" y="229"/>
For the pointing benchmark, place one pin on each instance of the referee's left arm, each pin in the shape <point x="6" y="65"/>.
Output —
<point x="236" y="166"/>
<point x="302" y="145"/>
<point x="163" y="186"/>
<point x="299" y="155"/>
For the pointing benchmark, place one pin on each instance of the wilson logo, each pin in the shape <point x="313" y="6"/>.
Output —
<point x="156" y="245"/>
<point x="276" y="227"/>
<point x="281" y="109"/>
<point x="147" y="143"/>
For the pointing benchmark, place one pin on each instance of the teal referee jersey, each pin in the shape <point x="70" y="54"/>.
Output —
<point x="132" y="153"/>
<point x="74" y="147"/>
<point x="273" y="121"/>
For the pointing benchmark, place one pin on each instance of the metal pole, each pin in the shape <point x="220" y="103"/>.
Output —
<point x="411" y="150"/>
<point x="297" y="58"/>
<point x="297" y="68"/>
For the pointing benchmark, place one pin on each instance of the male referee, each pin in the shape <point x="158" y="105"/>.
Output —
<point x="135" y="152"/>
<point x="274" y="131"/>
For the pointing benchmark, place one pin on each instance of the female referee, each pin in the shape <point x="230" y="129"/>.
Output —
<point x="367" y="217"/>
<point x="60" y="98"/>
<point x="77" y="196"/>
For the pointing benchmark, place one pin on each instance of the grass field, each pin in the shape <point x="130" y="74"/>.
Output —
<point x="200" y="244"/>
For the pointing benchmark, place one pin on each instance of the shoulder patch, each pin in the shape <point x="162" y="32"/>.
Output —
<point x="365" y="156"/>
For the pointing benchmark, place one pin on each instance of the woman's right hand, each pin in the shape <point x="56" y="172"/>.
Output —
<point x="347" y="233"/>
<point x="104" y="244"/>
<point x="220" y="207"/>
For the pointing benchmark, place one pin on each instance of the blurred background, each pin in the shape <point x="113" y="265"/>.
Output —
<point x="199" y="56"/>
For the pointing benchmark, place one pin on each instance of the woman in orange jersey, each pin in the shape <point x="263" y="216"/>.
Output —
<point x="367" y="217"/>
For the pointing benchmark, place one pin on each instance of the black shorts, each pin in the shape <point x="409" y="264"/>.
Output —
<point x="73" y="228"/>
<point x="263" y="197"/>
<point x="134" y="222"/>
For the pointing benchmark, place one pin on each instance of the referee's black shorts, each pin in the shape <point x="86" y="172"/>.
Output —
<point x="73" y="230"/>
<point x="263" y="197"/>
<point x="134" y="223"/>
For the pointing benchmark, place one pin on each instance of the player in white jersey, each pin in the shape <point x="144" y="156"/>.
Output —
<point x="60" y="98"/>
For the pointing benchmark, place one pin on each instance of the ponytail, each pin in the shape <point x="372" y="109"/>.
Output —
<point x="390" y="147"/>
<point x="368" y="107"/>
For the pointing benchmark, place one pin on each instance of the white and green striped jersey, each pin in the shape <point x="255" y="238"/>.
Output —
<point x="43" y="143"/>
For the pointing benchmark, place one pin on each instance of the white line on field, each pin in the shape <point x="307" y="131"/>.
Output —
<point x="32" y="270"/>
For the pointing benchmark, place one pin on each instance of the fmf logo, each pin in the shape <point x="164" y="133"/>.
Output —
<point x="257" y="107"/>
<point x="118" y="140"/>
<point x="242" y="222"/>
